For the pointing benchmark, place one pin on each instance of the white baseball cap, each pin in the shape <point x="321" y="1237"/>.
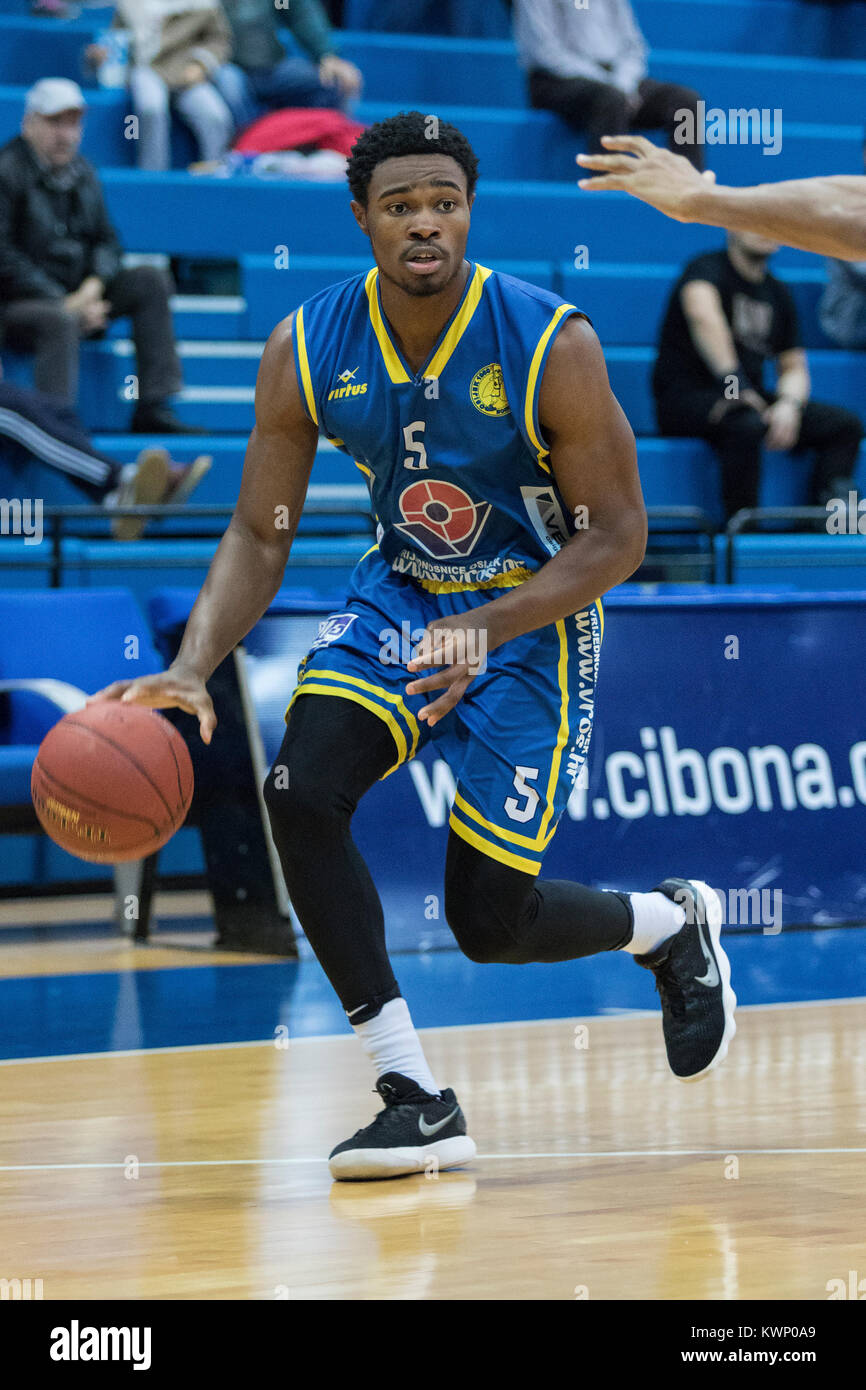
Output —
<point x="51" y="95"/>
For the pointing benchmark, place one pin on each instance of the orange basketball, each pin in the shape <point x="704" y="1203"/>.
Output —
<point x="112" y="782"/>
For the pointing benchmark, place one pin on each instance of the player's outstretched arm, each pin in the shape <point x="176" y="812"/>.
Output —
<point x="248" y="566"/>
<point x="825" y="215"/>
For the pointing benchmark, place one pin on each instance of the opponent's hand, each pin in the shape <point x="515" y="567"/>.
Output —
<point x="460" y="645"/>
<point x="783" y="421"/>
<point x="664" y="180"/>
<point x="171" y="689"/>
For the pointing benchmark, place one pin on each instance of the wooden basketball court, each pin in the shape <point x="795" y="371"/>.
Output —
<point x="200" y="1172"/>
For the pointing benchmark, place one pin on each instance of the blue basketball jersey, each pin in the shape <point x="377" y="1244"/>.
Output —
<point x="458" y="470"/>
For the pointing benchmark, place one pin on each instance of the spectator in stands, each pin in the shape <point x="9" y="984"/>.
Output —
<point x="60" y="262"/>
<point x="589" y="65"/>
<point x="843" y="304"/>
<point x="842" y="310"/>
<point x="179" y="52"/>
<point x="726" y="319"/>
<point x="48" y="430"/>
<point x="267" y="78"/>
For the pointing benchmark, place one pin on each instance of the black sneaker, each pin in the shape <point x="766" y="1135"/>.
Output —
<point x="413" y="1129"/>
<point x="693" y="978"/>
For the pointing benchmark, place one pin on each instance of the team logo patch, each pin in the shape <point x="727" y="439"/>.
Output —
<point x="332" y="629"/>
<point x="441" y="518"/>
<point x="487" y="389"/>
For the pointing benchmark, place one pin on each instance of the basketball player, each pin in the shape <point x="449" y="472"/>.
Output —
<point x="502" y="473"/>
<point x="825" y="215"/>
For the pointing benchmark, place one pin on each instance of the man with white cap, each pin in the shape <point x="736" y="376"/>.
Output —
<point x="61" y="277"/>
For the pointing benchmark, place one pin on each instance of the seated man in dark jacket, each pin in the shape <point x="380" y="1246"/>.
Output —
<point x="60" y="262"/>
<point x="727" y="319"/>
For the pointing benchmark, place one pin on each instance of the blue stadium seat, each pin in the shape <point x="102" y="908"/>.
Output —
<point x="79" y="638"/>
<point x="810" y="562"/>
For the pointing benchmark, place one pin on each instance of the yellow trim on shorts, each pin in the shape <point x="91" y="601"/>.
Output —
<point x="306" y="379"/>
<point x="515" y="861"/>
<point x="534" y="367"/>
<point x="562" y="736"/>
<point x="536" y="842"/>
<point x="311" y="687"/>
<point x="319" y="672"/>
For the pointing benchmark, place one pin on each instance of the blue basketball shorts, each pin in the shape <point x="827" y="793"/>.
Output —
<point x="515" y="742"/>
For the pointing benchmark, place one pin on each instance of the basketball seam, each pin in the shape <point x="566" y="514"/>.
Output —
<point x="83" y="802"/>
<point x="119" y="748"/>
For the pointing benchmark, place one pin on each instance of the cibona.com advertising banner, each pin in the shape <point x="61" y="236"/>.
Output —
<point x="729" y="744"/>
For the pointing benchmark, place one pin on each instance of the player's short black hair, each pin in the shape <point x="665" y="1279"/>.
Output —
<point x="410" y="132"/>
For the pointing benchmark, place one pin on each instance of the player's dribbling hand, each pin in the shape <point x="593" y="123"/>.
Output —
<point x="171" y="689"/>
<point x="460" y="645"/>
<point x="655" y="176"/>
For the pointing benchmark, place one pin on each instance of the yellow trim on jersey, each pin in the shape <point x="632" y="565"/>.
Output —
<point x="562" y="737"/>
<point x="306" y="379"/>
<point x="311" y="687"/>
<point x="363" y="467"/>
<point x="601" y="620"/>
<point x="516" y="861"/>
<point x="461" y="323"/>
<point x="396" y="370"/>
<point x="509" y="580"/>
<point x="534" y="366"/>
<point x="369" y="552"/>
<point x="536" y="842"/>
<point x="319" y="672"/>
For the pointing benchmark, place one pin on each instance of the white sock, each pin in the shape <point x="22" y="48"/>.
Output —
<point x="655" y="919"/>
<point x="391" y="1043"/>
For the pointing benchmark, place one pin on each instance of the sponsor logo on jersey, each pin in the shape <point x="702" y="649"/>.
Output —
<point x="487" y="389"/>
<point x="441" y="518"/>
<point x="332" y="629"/>
<point x="348" y="386"/>
<point x="545" y="513"/>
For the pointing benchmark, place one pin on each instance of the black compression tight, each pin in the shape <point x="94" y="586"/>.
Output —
<point x="334" y="750"/>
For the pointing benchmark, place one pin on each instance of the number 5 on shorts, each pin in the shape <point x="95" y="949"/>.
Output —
<point x="513" y="808"/>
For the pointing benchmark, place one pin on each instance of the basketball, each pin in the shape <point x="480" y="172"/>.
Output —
<point x="112" y="782"/>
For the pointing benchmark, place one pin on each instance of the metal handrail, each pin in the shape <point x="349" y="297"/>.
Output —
<point x="61" y="526"/>
<point x="58" y="517"/>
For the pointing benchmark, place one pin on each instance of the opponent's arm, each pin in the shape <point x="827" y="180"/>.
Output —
<point x="248" y="566"/>
<point x="593" y="460"/>
<point x="826" y="215"/>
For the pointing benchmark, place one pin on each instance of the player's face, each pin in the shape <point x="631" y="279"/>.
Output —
<point x="417" y="219"/>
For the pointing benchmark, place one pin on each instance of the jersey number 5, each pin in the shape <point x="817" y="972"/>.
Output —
<point x="513" y="808"/>
<point x="415" y="446"/>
